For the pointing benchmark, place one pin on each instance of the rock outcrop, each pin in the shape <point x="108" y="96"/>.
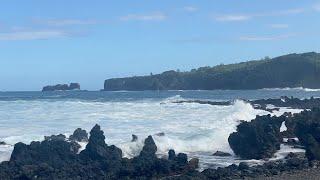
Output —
<point x="221" y="154"/>
<point x="62" y="87"/>
<point x="257" y="139"/>
<point x="79" y="135"/>
<point x="307" y="129"/>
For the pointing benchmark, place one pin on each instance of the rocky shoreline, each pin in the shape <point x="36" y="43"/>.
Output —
<point x="263" y="104"/>
<point x="59" y="157"/>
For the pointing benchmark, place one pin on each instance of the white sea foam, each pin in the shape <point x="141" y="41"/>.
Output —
<point x="196" y="129"/>
<point x="290" y="89"/>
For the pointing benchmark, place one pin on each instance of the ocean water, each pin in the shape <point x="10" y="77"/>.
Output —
<point x="195" y="129"/>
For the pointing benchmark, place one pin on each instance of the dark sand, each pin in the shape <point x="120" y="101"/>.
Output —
<point x="306" y="174"/>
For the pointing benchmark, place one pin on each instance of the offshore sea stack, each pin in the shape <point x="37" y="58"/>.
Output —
<point x="62" y="87"/>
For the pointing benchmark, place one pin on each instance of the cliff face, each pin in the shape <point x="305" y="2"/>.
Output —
<point x="62" y="87"/>
<point x="293" y="70"/>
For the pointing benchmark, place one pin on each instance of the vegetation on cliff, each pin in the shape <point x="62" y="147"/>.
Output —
<point x="293" y="70"/>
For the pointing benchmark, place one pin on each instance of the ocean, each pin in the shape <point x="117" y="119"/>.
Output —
<point x="196" y="129"/>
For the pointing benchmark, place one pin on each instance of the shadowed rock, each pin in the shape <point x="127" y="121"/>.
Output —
<point x="79" y="135"/>
<point x="134" y="138"/>
<point x="257" y="139"/>
<point x="221" y="154"/>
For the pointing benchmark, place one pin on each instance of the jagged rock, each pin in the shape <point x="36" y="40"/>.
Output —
<point x="97" y="149"/>
<point x="149" y="149"/>
<point x="134" y="138"/>
<point x="59" y="137"/>
<point x="220" y="153"/>
<point x="79" y="135"/>
<point x="53" y="151"/>
<point x="257" y="139"/>
<point x="171" y="154"/>
<point x="307" y="129"/>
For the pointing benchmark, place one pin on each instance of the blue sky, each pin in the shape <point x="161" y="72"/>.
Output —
<point x="48" y="42"/>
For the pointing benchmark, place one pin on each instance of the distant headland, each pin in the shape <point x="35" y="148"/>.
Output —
<point x="62" y="87"/>
<point x="293" y="70"/>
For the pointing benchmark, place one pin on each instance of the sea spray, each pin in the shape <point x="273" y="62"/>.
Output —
<point x="197" y="129"/>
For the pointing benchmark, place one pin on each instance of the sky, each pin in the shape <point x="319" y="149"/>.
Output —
<point x="45" y="42"/>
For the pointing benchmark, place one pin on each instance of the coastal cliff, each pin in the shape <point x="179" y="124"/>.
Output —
<point x="293" y="70"/>
<point x="62" y="87"/>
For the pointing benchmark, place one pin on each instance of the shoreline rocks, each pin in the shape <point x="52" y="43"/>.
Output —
<point x="79" y="135"/>
<point x="57" y="158"/>
<point x="221" y="154"/>
<point x="257" y="139"/>
<point x="262" y="104"/>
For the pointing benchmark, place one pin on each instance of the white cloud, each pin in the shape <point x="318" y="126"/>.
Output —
<point x="158" y="16"/>
<point x="316" y="7"/>
<point x="279" y="26"/>
<point x="244" y="17"/>
<point x="32" y="35"/>
<point x="66" y="22"/>
<point x="233" y="18"/>
<point x="190" y="9"/>
<point x="266" y="38"/>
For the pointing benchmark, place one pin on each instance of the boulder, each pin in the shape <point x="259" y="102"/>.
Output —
<point x="222" y="154"/>
<point x="134" y="138"/>
<point x="53" y="151"/>
<point x="79" y="135"/>
<point x="97" y="149"/>
<point x="257" y="139"/>
<point x="307" y="129"/>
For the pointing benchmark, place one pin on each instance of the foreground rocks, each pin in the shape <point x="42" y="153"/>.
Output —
<point x="58" y="158"/>
<point x="257" y="139"/>
<point x="307" y="129"/>
<point x="291" y="163"/>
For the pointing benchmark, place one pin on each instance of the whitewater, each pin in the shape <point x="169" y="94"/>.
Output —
<point x="196" y="129"/>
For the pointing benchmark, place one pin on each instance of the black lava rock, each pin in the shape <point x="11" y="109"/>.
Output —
<point x="221" y="154"/>
<point x="257" y="139"/>
<point x="79" y="135"/>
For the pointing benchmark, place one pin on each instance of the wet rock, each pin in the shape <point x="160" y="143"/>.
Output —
<point x="149" y="149"/>
<point x="54" y="151"/>
<point x="160" y="134"/>
<point x="193" y="163"/>
<point x="134" y="138"/>
<point x="59" y="137"/>
<point x="2" y="143"/>
<point x="222" y="154"/>
<point x="171" y="154"/>
<point x="55" y="158"/>
<point x="307" y="129"/>
<point x="97" y="149"/>
<point x="243" y="166"/>
<point x="79" y="135"/>
<point x="257" y="139"/>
